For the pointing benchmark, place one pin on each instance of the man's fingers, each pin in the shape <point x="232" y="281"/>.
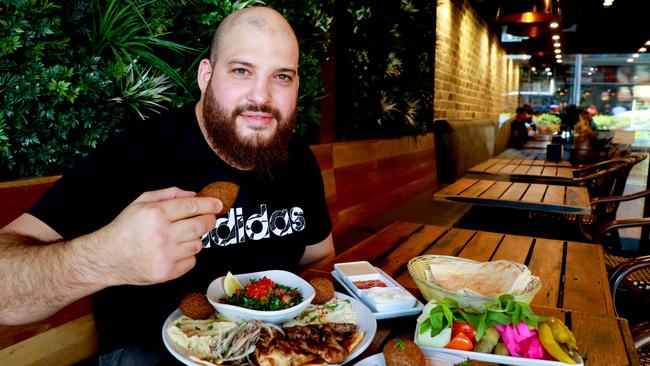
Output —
<point x="188" y="249"/>
<point x="183" y="266"/>
<point x="164" y="194"/>
<point x="192" y="228"/>
<point x="187" y="207"/>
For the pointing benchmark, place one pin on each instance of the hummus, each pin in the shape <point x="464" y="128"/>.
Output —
<point x="334" y="311"/>
<point x="197" y="336"/>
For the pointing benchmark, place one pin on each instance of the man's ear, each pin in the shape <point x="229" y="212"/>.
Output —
<point x="203" y="77"/>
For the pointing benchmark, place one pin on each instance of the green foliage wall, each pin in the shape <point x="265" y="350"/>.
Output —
<point x="74" y="72"/>
<point x="385" y="64"/>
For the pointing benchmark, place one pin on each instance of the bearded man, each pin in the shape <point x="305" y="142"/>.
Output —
<point x="126" y="225"/>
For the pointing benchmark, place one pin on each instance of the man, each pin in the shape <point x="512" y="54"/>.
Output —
<point x="518" y="129"/>
<point x="96" y="232"/>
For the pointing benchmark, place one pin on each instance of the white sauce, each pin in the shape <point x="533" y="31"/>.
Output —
<point x="384" y="295"/>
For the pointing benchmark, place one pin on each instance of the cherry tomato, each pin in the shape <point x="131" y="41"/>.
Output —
<point x="465" y="328"/>
<point x="461" y="342"/>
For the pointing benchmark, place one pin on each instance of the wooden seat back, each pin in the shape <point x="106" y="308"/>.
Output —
<point x="366" y="178"/>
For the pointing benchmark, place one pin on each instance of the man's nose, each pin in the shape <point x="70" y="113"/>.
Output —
<point x="260" y="92"/>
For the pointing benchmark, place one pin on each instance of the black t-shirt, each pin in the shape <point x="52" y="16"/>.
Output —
<point x="518" y="134"/>
<point x="276" y="215"/>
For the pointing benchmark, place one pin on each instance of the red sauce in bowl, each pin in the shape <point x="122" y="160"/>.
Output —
<point x="366" y="284"/>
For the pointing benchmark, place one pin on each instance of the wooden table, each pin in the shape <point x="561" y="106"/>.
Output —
<point x="536" y="154"/>
<point x="537" y="144"/>
<point x="527" y="167"/>
<point x="529" y="196"/>
<point x="574" y="281"/>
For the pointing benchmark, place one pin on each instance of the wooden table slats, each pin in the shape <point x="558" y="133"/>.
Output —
<point x="531" y="196"/>
<point x="546" y="263"/>
<point x="528" y="167"/>
<point x="581" y="280"/>
<point x="573" y="277"/>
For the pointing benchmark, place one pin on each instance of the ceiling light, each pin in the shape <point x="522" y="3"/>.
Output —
<point x="554" y="25"/>
<point x="555" y="37"/>
<point x="559" y="60"/>
<point x="558" y="56"/>
<point x="533" y="68"/>
<point x="589" y="73"/>
<point x="556" y="44"/>
<point x="547" y="69"/>
<point x="608" y="3"/>
<point x="647" y="43"/>
<point x="642" y="49"/>
<point x="635" y="55"/>
<point x="531" y="11"/>
<point x="592" y="69"/>
<point x="557" y="50"/>
<point x="630" y="60"/>
<point x="549" y="73"/>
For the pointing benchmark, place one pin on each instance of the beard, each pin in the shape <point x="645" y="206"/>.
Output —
<point x="249" y="153"/>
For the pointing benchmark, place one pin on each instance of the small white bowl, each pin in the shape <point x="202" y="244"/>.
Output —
<point x="216" y="292"/>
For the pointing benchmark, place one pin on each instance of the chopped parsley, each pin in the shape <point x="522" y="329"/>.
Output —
<point x="331" y="307"/>
<point x="178" y="325"/>
<point x="210" y="327"/>
<point x="399" y="344"/>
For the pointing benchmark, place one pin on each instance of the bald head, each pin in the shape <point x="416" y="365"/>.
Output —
<point x="260" y="19"/>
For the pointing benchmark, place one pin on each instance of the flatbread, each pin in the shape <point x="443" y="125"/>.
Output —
<point x="475" y="278"/>
<point x="225" y="191"/>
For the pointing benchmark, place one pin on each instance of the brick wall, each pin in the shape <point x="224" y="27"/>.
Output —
<point x="472" y="75"/>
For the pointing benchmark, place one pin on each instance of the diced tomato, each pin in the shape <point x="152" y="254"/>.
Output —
<point x="260" y="290"/>
<point x="465" y="328"/>
<point x="286" y="299"/>
<point x="461" y="342"/>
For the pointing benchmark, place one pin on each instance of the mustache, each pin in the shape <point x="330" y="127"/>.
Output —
<point x="264" y="108"/>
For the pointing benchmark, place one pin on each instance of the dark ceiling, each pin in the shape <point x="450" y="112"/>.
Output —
<point x="587" y="26"/>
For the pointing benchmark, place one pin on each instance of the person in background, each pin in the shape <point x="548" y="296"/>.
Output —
<point x="530" y="124"/>
<point x="519" y="133"/>
<point x="126" y="226"/>
<point x="584" y="130"/>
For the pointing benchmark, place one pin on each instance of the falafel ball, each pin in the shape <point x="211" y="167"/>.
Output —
<point x="196" y="306"/>
<point x="324" y="290"/>
<point x="403" y="352"/>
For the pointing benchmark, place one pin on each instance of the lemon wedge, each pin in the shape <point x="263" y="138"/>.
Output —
<point x="230" y="284"/>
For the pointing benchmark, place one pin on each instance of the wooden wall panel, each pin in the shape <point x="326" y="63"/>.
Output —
<point x="19" y="195"/>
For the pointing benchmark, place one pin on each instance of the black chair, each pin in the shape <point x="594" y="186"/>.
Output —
<point x="631" y="299"/>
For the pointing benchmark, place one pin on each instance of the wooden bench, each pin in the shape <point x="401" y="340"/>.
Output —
<point x="362" y="179"/>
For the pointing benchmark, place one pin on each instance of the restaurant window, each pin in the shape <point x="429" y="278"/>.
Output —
<point x="615" y="86"/>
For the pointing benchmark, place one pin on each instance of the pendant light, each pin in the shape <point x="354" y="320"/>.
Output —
<point x="528" y="11"/>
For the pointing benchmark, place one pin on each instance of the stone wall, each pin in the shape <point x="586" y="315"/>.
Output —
<point x="473" y="78"/>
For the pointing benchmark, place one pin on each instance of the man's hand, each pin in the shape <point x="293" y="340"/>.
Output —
<point x="156" y="237"/>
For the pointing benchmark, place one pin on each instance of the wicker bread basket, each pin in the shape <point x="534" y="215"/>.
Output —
<point x="524" y="290"/>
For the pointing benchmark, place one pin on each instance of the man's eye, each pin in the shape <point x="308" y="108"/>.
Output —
<point x="240" y="71"/>
<point x="284" y="77"/>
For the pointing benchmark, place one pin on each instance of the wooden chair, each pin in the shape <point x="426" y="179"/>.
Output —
<point x="603" y="179"/>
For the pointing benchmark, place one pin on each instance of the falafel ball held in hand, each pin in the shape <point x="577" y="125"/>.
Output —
<point x="126" y="226"/>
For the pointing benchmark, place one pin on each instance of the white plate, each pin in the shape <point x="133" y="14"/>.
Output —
<point x="366" y="323"/>
<point x="215" y="292"/>
<point x="433" y="359"/>
<point x="497" y="359"/>
<point x="415" y="309"/>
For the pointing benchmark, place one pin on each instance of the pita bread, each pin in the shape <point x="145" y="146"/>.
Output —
<point x="224" y="191"/>
<point x="483" y="279"/>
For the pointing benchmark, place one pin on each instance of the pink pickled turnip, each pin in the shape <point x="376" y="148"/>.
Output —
<point x="521" y="341"/>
